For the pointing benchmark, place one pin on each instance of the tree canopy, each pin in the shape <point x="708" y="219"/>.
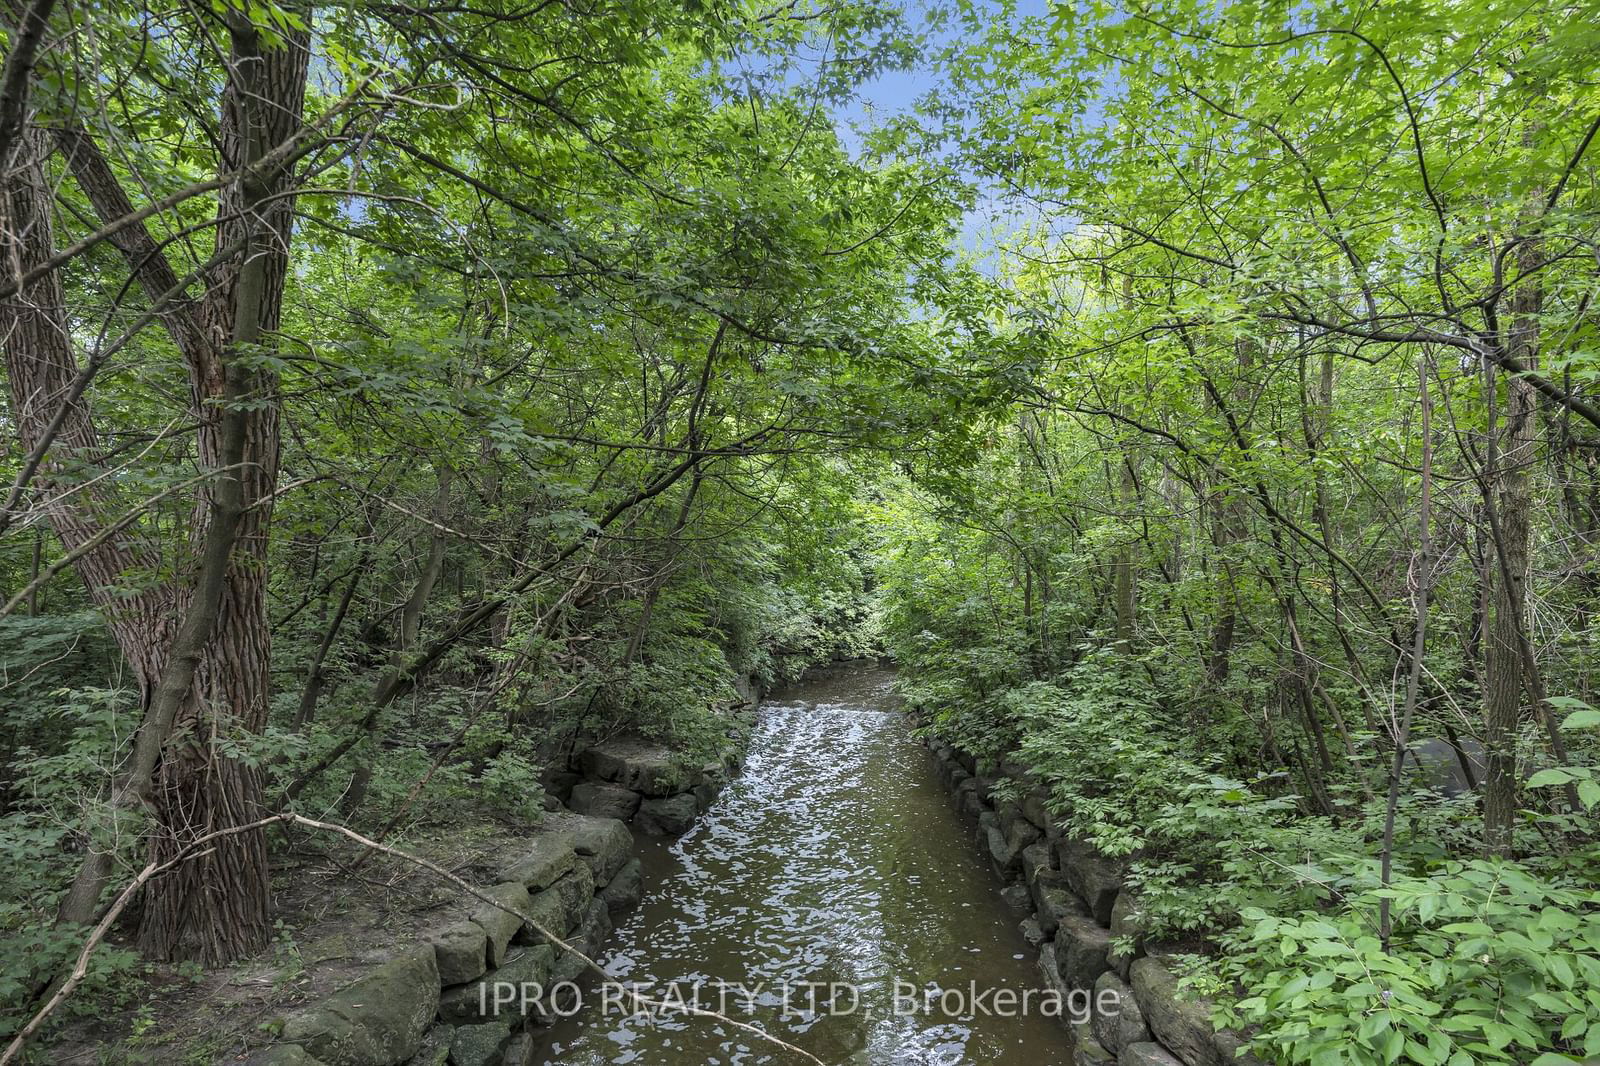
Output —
<point x="399" y="394"/>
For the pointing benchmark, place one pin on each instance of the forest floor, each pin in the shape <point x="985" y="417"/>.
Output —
<point x="335" y="918"/>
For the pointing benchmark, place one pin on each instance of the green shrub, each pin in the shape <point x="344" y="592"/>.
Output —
<point x="1489" y="962"/>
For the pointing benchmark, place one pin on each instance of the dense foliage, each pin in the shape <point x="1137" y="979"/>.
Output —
<point x="540" y="336"/>
<point x="1301" y="472"/>
<point x="399" y="395"/>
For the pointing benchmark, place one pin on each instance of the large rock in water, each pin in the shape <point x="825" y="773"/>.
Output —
<point x="1008" y="814"/>
<point x="1005" y="859"/>
<point x="604" y="800"/>
<point x="1038" y="861"/>
<point x="375" y="1021"/>
<point x="713" y="776"/>
<point x="1020" y="833"/>
<point x="481" y="1045"/>
<point x="1050" y="970"/>
<point x="586" y="941"/>
<point x="1086" y="1050"/>
<point x="596" y="926"/>
<point x="522" y="1051"/>
<point x="671" y="816"/>
<point x="1016" y="897"/>
<point x="1002" y="856"/>
<point x="1052" y="903"/>
<point x="1081" y="950"/>
<point x="624" y="891"/>
<point x="638" y="765"/>
<point x="1183" y="1025"/>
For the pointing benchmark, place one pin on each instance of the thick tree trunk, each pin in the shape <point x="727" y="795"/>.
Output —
<point x="45" y="404"/>
<point x="207" y="679"/>
<point x="216" y="906"/>
<point x="228" y="904"/>
<point x="42" y="372"/>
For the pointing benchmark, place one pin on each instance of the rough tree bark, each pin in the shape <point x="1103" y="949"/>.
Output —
<point x="41" y="370"/>
<point x="1511" y="506"/>
<point x="205" y="677"/>
<point x="216" y="905"/>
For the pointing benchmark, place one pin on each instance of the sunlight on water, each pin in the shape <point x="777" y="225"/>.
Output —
<point x="834" y="859"/>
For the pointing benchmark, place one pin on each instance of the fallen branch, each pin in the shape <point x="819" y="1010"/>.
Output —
<point x="81" y="968"/>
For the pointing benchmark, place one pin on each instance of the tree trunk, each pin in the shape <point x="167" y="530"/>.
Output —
<point x="1503" y="684"/>
<point x="316" y="677"/>
<point x="410" y="624"/>
<point x="1124" y="586"/>
<point x="1510" y="507"/>
<point x="42" y="373"/>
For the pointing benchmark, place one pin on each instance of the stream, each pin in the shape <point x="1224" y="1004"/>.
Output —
<point x="829" y="897"/>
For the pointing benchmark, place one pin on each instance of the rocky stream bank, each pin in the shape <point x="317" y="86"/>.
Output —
<point x="1084" y="919"/>
<point x="475" y="990"/>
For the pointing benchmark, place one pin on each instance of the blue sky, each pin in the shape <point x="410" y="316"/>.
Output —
<point x="896" y="92"/>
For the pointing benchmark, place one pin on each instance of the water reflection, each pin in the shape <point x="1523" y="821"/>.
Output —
<point x="835" y="859"/>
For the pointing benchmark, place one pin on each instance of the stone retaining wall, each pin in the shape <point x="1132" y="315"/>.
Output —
<point x="647" y="784"/>
<point x="1078" y="910"/>
<point x="434" y="1003"/>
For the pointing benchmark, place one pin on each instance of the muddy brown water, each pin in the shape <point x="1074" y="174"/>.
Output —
<point x="830" y="876"/>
